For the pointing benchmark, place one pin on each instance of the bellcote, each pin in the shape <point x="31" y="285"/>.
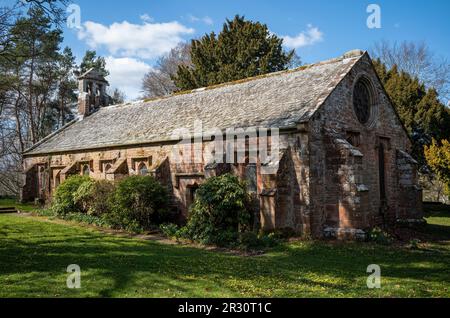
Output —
<point x="92" y="92"/>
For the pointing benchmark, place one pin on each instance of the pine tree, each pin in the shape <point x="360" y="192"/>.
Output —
<point x="91" y="60"/>
<point x="242" y="49"/>
<point x="67" y="85"/>
<point x="36" y="47"/>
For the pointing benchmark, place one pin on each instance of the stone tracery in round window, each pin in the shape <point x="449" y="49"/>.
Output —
<point x="362" y="100"/>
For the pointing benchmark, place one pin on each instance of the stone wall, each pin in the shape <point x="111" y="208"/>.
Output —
<point x="345" y="165"/>
<point x="286" y="208"/>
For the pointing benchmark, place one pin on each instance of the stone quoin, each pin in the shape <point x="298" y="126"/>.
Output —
<point x="344" y="164"/>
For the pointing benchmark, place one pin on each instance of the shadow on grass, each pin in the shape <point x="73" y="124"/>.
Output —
<point x="116" y="266"/>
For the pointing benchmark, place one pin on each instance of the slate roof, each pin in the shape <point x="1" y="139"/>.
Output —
<point x="280" y="99"/>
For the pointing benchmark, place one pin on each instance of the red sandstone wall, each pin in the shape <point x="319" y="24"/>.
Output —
<point x="346" y="188"/>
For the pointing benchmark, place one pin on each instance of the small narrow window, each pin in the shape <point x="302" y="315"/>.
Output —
<point x="108" y="167"/>
<point x="251" y="177"/>
<point x="86" y="170"/>
<point x="142" y="169"/>
<point x="57" y="180"/>
<point x="191" y="194"/>
<point x="193" y="191"/>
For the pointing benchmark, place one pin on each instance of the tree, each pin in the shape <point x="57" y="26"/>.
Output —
<point x="52" y="9"/>
<point x="67" y="85"/>
<point x="37" y="46"/>
<point x="117" y="97"/>
<point x="418" y="61"/>
<point x="91" y="60"/>
<point x="158" y="82"/>
<point x="36" y="89"/>
<point x="419" y="108"/>
<point x="438" y="158"/>
<point x="242" y="49"/>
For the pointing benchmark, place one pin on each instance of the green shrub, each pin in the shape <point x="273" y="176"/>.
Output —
<point x="253" y="241"/>
<point x="280" y="234"/>
<point x="63" y="199"/>
<point x="94" y="197"/>
<point x="379" y="236"/>
<point x="219" y="212"/>
<point x="169" y="229"/>
<point x="86" y="218"/>
<point x="249" y="241"/>
<point x="82" y="196"/>
<point x="182" y="233"/>
<point x="414" y="244"/>
<point x="139" y="202"/>
<point x="45" y="212"/>
<point x="269" y="240"/>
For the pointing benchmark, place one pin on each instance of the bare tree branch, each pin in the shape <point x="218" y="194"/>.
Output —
<point x="418" y="60"/>
<point x="158" y="82"/>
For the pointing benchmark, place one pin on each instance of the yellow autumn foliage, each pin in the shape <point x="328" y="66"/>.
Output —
<point x="438" y="158"/>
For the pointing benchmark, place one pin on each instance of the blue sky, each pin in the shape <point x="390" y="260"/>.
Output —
<point x="131" y="34"/>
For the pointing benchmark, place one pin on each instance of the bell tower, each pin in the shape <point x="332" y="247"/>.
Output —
<point x="92" y="92"/>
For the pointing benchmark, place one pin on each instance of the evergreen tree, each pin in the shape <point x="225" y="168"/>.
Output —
<point x="242" y="49"/>
<point x="91" y="60"/>
<point x="117" y="97"/>
<point x="420" y="110"/>
<point x="36" y="47"/>
<point x="66" y="96"/>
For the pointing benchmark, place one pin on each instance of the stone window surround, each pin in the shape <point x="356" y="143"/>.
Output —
<point x="374" y="99"/>
<point x="104" y="162"/>
<point x="137" y="161"/>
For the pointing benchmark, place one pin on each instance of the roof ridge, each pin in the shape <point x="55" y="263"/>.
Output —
<point x="346" y="56"/>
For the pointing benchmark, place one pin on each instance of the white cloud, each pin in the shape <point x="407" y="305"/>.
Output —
<point x="206" y="20"/>
<point x="305" y="38"/>
<point x="126" y="74"/>
<point x="146" y="18"/>
<point x="145" y="41"/>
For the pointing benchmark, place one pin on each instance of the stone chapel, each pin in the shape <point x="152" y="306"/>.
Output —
<point x="344" y="164"/>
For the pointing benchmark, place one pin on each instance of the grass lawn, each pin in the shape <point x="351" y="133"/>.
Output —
<point x="34" y="255"/>
<point x="8" y="203"/>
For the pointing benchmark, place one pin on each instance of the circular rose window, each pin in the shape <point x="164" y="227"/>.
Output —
<point x="362" y="101"/>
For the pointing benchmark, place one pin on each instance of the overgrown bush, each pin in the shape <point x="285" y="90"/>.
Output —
<point x="139" y="202"/>
<point x="63" y="199"/>
<point x="94" y="197"/>
<point x="219" y="212"/>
